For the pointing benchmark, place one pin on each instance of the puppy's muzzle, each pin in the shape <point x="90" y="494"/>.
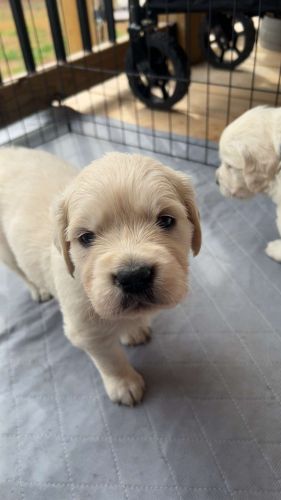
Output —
<point x="135" y="279"/>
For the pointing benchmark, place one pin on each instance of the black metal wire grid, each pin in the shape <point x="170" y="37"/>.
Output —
<point x="104" y="124"/>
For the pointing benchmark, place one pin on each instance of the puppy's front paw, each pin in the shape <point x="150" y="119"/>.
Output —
<point x="44" y="296"/>
<point x="273" y="250"/>
<point x="39" y="295"/>
<point x="136" y="337"/>
<point x="127" y="390"/>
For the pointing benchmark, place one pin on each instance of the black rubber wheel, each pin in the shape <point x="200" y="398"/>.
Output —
<point x="163" y="77"/>
<point x="228" y="41"/>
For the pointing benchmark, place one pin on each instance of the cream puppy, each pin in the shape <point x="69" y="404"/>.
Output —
<point x="110" y="243"/>
<point x="250" y="153"/>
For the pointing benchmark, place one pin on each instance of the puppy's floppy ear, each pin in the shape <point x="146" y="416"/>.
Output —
<point x="260" y="168"/>
<point x="60" y="216"/>
<point x="187" y="196"/>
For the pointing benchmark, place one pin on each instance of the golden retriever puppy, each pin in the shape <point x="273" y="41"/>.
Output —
<point x="110" y="243"/>
<point x="250" y="153"/>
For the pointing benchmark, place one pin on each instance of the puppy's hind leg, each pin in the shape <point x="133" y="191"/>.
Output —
<point x="7" y="257"/>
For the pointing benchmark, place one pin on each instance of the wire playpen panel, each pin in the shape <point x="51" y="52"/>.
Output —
<point x="162" y="75"/>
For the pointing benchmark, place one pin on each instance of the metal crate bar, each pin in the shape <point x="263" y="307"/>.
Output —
<point x="56" y="30"/>
<point x="110" y="20"/>
<point x="84" y="25"/>
<point x="22" y="32"/>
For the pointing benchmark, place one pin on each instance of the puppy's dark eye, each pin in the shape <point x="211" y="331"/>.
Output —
<point x="166" y="221"/>
<point x="86" y="239"/>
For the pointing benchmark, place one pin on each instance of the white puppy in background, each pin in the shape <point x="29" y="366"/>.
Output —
<point x="250" y="153"/>
<point x="110" y="243"/>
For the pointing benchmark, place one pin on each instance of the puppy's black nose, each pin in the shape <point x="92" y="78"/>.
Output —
<point x="217" y="182"/>
<point x="134" y="279"/>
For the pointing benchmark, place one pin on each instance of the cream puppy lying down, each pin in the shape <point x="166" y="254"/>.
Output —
<point x="250" y="153"/>
<point x="110" y="243"/>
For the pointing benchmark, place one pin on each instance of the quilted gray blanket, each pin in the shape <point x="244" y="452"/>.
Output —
<point x="210" y="424"/>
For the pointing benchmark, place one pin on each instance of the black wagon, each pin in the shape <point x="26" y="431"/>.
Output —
<point x="158" y="68"/>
